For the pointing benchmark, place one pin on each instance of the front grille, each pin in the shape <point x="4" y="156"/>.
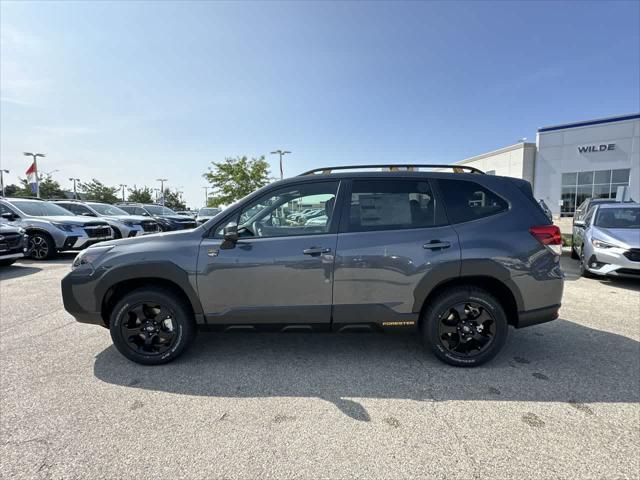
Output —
<point x="633" y="254"/>
<point x="628" y="271"/>
<point x="150" y="227"/>
<point x="188" y="224"/>
<point x="98" y="231"/>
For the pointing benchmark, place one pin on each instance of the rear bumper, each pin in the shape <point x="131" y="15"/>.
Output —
<point x="535" y="317"/>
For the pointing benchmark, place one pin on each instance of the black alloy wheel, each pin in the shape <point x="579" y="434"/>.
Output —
<point x="152" y="325"/>
<point x="464" y="326"/>
<point x="466" y="329"/>
<point x="148" y="328"/>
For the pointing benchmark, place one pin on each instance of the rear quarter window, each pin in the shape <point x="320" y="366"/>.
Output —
<point x="466" y="200"/>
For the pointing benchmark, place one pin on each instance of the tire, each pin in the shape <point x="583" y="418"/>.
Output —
<point x="574" y="254"/>
<point x="116" y="233"/>
<point x="446" y="316"/>
<point x="137" y="311"/>
<point x="41" y="246"/>
<point x="583" y="269"/>
<point x="8" y="262"/>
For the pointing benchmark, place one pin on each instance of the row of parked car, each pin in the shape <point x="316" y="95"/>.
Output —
<point x="40" y="228"/>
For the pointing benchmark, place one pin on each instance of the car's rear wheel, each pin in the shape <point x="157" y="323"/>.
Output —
<point x="465" y="326"/>
<point x="574" y="254"/>
<point x="152" y="325"/>
<point x="41" y="246"/>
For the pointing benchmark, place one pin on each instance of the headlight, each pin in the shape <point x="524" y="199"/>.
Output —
<point x="90" y="255"/>
<point x="63" y="226"/>
<point x="22" y="231"/>
<point x="600" y="244"/>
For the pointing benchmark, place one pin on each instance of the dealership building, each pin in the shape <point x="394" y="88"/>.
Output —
<point x="571" y="162"/>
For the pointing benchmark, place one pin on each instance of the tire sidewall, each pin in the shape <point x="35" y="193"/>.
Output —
<point x="181" y="324"/>
<point x="431" y="329"/>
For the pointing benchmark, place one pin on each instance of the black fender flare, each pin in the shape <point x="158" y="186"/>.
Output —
<point x="155" y="270"/>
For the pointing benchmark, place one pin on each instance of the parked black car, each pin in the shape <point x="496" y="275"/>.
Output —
<point x="13" y="244"/>
<point x="166" y="218"/>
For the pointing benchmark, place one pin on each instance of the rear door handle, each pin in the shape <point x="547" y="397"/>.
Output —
<point x="316" y="251"/>
<point x="435" y="244"/>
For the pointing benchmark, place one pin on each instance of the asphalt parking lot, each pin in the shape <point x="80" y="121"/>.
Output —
<point x="560" y="401"/>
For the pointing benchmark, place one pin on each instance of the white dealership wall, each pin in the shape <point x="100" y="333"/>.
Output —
<point x="559" y="151"/>
<point x="513" y="161"/>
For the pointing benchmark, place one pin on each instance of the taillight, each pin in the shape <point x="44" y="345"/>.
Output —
<point x="549" y="236"/>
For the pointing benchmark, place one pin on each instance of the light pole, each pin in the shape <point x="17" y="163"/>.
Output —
<point x="2" y="172"/>
<point x="162" y="180"/>
<point x="206" y="196"/>
<point x="281" y="153"/>
<point x="35" y="168"/>
<point x="123" y="186"/>
<point x="156" y="190"/>
<point x="75" y="191"/>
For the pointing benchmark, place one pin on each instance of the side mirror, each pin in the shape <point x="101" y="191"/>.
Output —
<point x="579" y="223"/>
<point x="88" y="214"/>
<point x="231" y="232"/>
<point x="8" y="216"/>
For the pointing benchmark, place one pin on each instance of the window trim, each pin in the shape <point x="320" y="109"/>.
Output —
<point x="333" y="226"/>
<point x="346" y="207"/>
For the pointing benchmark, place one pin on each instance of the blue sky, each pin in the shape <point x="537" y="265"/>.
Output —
<point x="130" y="91"/>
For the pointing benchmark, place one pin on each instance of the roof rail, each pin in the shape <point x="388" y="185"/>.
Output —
<point x="392" y="168"/>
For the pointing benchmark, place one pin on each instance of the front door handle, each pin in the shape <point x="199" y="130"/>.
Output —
<point x="436" y="244"/>
<point x="316" y="251"/>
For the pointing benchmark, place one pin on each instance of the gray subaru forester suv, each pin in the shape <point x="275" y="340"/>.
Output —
<point x="457" y="257"/>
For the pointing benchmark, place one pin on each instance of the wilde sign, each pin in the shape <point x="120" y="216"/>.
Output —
<point x="597" y="148"/>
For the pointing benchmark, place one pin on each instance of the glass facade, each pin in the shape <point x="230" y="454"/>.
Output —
<point x="578" y="186"/>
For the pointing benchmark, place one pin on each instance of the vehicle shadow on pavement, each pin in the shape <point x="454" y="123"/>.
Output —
<point x="17" y="271"/>
<point x="557" y="362"/>
<point x="60" y="259"/>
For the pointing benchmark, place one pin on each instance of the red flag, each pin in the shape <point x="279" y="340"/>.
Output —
<point x="31" y="169"/>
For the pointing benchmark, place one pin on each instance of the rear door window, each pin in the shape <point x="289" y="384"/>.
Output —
<point x="466" y="200"/>
<point x="392" y="205"/>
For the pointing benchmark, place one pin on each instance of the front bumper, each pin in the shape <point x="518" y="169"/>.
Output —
<point x="77" y="297"/>
<point x="612" y="262"/>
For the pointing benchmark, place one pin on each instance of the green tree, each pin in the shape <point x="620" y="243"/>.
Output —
<point x="49" y="188"/>
<point x="173" y="200"/>
<point x="14" y="190"/>
<point x="99" y="192"/>
<point x="140" y="195"/>
<point x="235" y="178"/>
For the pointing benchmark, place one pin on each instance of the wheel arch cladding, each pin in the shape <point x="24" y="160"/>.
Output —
<point x="122" y="280"/>
<point x="491" y="285"/>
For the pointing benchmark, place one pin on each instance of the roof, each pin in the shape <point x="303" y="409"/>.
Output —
<point x="587" y="123"/>
<point x="619" y="204"/>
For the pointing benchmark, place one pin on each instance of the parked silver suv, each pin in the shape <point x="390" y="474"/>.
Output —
<point x="455" y="257"/>
<point x="51" y="228"/>
<point x="124" y="225"/>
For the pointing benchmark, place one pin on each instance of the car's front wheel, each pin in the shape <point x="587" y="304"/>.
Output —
<point x="41" y="246"/>
<point x="465" y="326"/>
<point x="584" y="270"/>
<point x="152" y="325"/>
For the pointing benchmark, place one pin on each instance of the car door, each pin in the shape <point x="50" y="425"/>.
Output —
<point x="280" y="271"/>
<point x="393" y="244"/>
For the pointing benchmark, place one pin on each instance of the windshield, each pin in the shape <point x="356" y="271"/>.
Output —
<point x="40" y="209"/>
<point x="210" y="212"/>
<point x="618" y="218"/>
<point x="159" y="210"/>
<point x="103" y="209"/>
